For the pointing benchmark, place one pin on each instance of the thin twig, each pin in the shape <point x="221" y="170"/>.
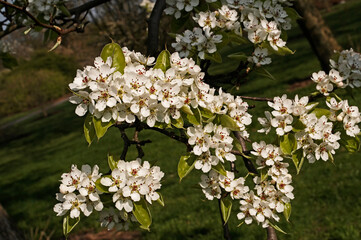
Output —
<point x="258" y="98"/>
<point x="54" y="28"/>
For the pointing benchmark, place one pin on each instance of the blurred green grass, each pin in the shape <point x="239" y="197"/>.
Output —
<point x="33" y="155"/>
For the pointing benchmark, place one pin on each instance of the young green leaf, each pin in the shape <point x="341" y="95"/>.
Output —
<point x="196" y="118"/>
<point x="178" y="123"/>
<point x="287" y="211"/>
<point x="216" y="57"/>
<point x="226" y="208"/>
<point x="186" y="109"/>
<point x="100" y="186"/>
<point x="277" y="228"/>
<point x="298" y="126"/>
<point x="220" y="169"/>
<point x="352" y="144"/>
<point x="298" y="158"/>
<point x="160" y="200"/>
<point x="227" y="121"/>
<point x="67" y="226"/>
<point x="239" y="56"/>
<point x="186" y="165"/>
<point x="142" y="214"/>
<point x="114" y="51"/>
<point x="89" y="131"/>
<point x="163" y="61"/>
<point x="288" y="143"/>
<point x="319" y="112"/>
<point x="101" y="127"/>
<point x="112" y="162"/>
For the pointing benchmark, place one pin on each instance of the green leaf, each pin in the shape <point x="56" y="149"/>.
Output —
<point x="237" y="38"/>
<point x="186" y="165"/>
<point x="287" y="211"/>
<point x="352" y="144"/>
<point x="277" y="228"/>
<point x="239" y="56"/>
<point x="292" y="13"/>
<point x="67" y="226"/>
<point x="114" y="51"/>
<point x="89" y="131"/>
<point x="187" y="110"/>
<point x="319" y="112"/>
<point x="111" y="162"/>
<point x="142" y="214"/>
<point x="163" y="61"/>
<point x="264" y="174"/>
<point x="288" y="143"/>
<point x="206" y="112"/>
<point x="220" y="169"/>
<point x="282" y="51"/>
<point x="161" y="125"/>
<point x="100" y="186"/>
<point x="64" y="10"/>
<point x="216" y="57"/>
<point x="178" y="24"/>
<point x="160" y="200"/>
<point x="196" y="118"/>
<point x="298" y="159"/>
<point x="228" y="122"/>
<point x="101" y="127"/>
<point x="178" y="123"/>
<point x="226" y="208"/>
<point x="298" y="126"/>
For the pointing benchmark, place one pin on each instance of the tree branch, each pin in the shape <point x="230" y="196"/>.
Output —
<point x="86" y="6"/>
<point x="153" y="27"/>
<point x="170" y="134"/>
<point x="271" y="233"/>
<point x="126" y="144"/>
<point x="258" y="98"/>
<point x="226" y="234"/>
<point x="248" y="163"/>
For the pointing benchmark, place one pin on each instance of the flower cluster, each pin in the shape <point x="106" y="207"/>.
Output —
<point x="213" y="183"/>
<point x="348" y="115"/>
<point x="349" y="67"/>
<point x="346" y="71"/>
<point x="211" y="137"/>
<point x="176" y="6"/>
<point x="202" y="42"/>
<point x="150" y="94"/>
<point x="78" y="192"/>
<point x="130" y="181"/>
<point x="315" y="137"/>
<point x="262" y="20"/>
<point x="272" y="193"/>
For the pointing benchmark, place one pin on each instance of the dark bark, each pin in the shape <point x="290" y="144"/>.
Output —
<point x="319" y="35"/>
<point x="271" y="233"/>
<point x="153" y="28"/>
<point x="7" y="229"/>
